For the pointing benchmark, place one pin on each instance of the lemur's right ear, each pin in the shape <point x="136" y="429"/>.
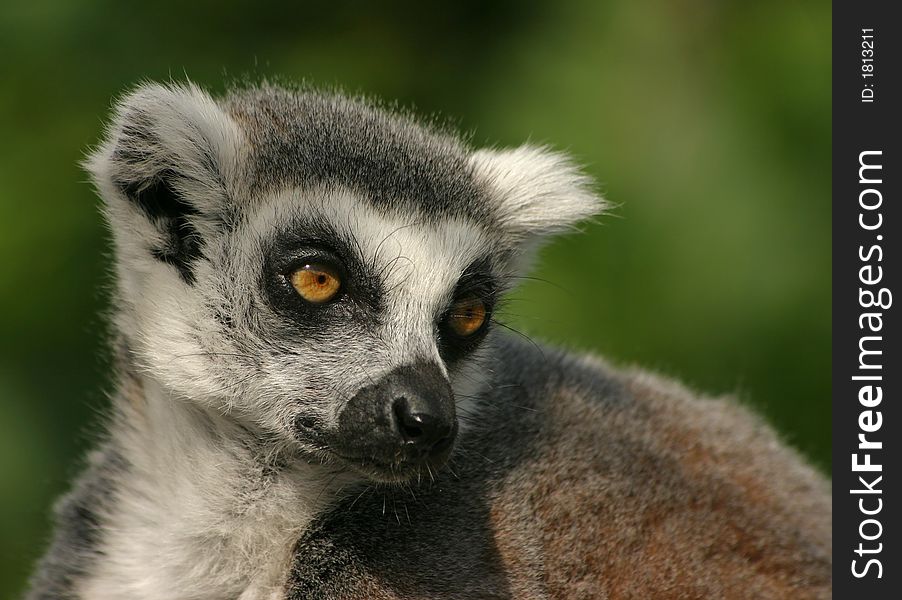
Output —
<point x="167" y="171"/>
<point x="535" y="191"/>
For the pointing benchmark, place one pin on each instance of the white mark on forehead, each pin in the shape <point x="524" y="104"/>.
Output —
<point x="422" y="265"/>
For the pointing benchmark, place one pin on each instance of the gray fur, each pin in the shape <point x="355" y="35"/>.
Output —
<point x="230" y="470"/>
<point x="307" y="138"/>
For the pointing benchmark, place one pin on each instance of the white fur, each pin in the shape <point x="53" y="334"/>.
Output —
<point x="197" y="517"/>
<point x="537" y="191"/>
<point x="190" y="522"/>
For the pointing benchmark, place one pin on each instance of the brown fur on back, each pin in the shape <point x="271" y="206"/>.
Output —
<point x="670" y="496"/>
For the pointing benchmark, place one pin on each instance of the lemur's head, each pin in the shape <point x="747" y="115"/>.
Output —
<point x="318" y="268"/>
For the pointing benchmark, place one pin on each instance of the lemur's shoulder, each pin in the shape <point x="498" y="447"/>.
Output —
<point x="583" y="479"/>
<point x="76" y="546"/>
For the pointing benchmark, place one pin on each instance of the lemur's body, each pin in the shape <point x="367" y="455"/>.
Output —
<point x="305" y="291"/>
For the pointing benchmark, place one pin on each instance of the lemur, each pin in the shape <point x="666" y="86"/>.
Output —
<point x="314" y="401"/>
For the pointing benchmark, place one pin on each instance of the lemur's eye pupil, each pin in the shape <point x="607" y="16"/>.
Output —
<point x="467" y="316"/>
<point x="316" y="283"/>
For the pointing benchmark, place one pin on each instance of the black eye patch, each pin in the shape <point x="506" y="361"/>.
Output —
<point x="312" y="241"/>
<point x="476" y="284"/>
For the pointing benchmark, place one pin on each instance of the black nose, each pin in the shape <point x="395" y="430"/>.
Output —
<point x="402" y="421"/>
<point x="420" y="427"/>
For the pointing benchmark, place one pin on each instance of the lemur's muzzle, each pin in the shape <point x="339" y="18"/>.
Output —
<point x="404" y="421"/>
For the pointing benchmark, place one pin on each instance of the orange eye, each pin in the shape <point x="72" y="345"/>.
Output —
<point x="467" y="316"/>
<point x="315" y="283"/>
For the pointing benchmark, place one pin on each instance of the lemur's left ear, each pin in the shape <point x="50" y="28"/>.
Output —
<point x="167" y="170"/>
<point x="536" y="191"/>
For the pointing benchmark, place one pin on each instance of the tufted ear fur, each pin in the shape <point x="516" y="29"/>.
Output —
<point x="167" y="170"/>
<point x="537" y="192"/>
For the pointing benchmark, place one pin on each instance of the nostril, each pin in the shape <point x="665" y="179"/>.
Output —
<point x="411" y="425"/>
<point x="424" y="430"/>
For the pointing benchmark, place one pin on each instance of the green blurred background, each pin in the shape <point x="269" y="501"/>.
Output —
<point x="707" y="122"/>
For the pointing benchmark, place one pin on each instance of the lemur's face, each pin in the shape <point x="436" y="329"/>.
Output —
<point x="358" y="326"/>
<point x="319" y="270"/>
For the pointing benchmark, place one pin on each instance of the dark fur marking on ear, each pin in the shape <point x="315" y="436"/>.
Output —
<point x="162" y="204"/>
<point x="183" y="248"/>
<point x="157" y="197"/>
